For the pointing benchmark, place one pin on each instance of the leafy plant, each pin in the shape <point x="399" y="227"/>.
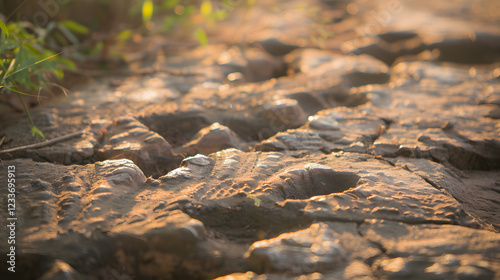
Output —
<point x="58" y="35"/>
<point x="193" y="15"/>
<point x="26" y="64"/>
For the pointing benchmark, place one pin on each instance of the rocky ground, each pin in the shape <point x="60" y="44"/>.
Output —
<point x="327" y="140"/>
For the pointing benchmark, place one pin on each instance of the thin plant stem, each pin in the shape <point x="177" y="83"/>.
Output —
<point x="26" y="109"/>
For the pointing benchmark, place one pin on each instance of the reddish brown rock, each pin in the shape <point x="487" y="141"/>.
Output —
<point x="379" y="164"/>
<point x="311" y="250"/>
<point x="211" y="139"/>
<point x="330" y="130"/>
<point x="130" y="139"/>
<point x="355" y="70"/>
<point x="438" y="252"/>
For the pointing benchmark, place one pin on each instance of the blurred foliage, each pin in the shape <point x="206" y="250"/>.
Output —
<point x="30" y="53"/>
<point x="192" y="15"/>
<point x="27" y="60"/>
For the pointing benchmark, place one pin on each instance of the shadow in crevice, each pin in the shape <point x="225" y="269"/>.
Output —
<point x="314" y="180"/>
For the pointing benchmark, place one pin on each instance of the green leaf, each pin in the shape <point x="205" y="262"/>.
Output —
<point x="66" y="62"/>
<point x="47" y="58"/>
<point x="28" y="66"/>
<point x="169" y="23"/>
<point x="206" y="8"/>
<point x="68" y="34"/>
<point x="135" y="8"/>
<point x="96" y="49"/>
<point x="147" y="10"/>
<point x="75" y="27"/>
<point x="189" y="10"/>
<point x="31" y="49"/>
<point x="7" y="69"/>
<point x="47" y="30"/>
<point x="170" y="4"/>
<point x="23" y="78"/>
<point x="62" y="40"/>
<point x="125" y="35"/>
<point x="5" y="31"/>
<point x="36" y="131"/>
<point x="7" y="46"/>
<point x="58" y="73"/>
<point x="220" y="14"/>
<point x="4" y="71"/>
<point x="201" y="36"/>
<point x="20" y="92"/>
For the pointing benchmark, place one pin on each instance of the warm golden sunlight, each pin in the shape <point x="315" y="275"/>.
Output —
<point x="249" y="139"/>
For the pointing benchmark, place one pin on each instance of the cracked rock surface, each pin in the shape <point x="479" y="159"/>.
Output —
<point x="283" y="152"/>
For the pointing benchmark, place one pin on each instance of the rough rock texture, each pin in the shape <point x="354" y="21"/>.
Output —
<point x="468" y="256"/>
<point x="130" y="139"/>
<point x="211" y="139"/>
<point x="309" y="250"/>
<point x="336" y="140"/>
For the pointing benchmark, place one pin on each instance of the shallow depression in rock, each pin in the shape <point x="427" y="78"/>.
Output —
<point x="313" y="180"/>
<point x="343" y="140"/>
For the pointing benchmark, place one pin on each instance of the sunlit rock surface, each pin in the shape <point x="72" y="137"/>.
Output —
<point x="211" y="139"/>
<point x="439" y="252"/>
<point x="130" y="139"/>
<point x="355" y="70"/>
<point x="333" y="140"/>
<point x="310" y="250"/>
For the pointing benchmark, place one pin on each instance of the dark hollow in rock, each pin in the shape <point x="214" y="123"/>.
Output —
<point x="248" y="129"/>
<point x="176" y="129"/>
<point x="129" y="139"/>
<point x="273" y="117"/>
<point x="389" y="52"/>
<point x="332" y="182"/>
<point x="253" y="63"/>
<point x="310" y="103"/>
<point x="315" y="180"/>
<point x="358" y="78"/>
<point x="246" y="222"/>
<point x="483" y="49"/>
<point x="396" y="36"/>
<point x="466" y="159"/>
<point x="275" y="47"/>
